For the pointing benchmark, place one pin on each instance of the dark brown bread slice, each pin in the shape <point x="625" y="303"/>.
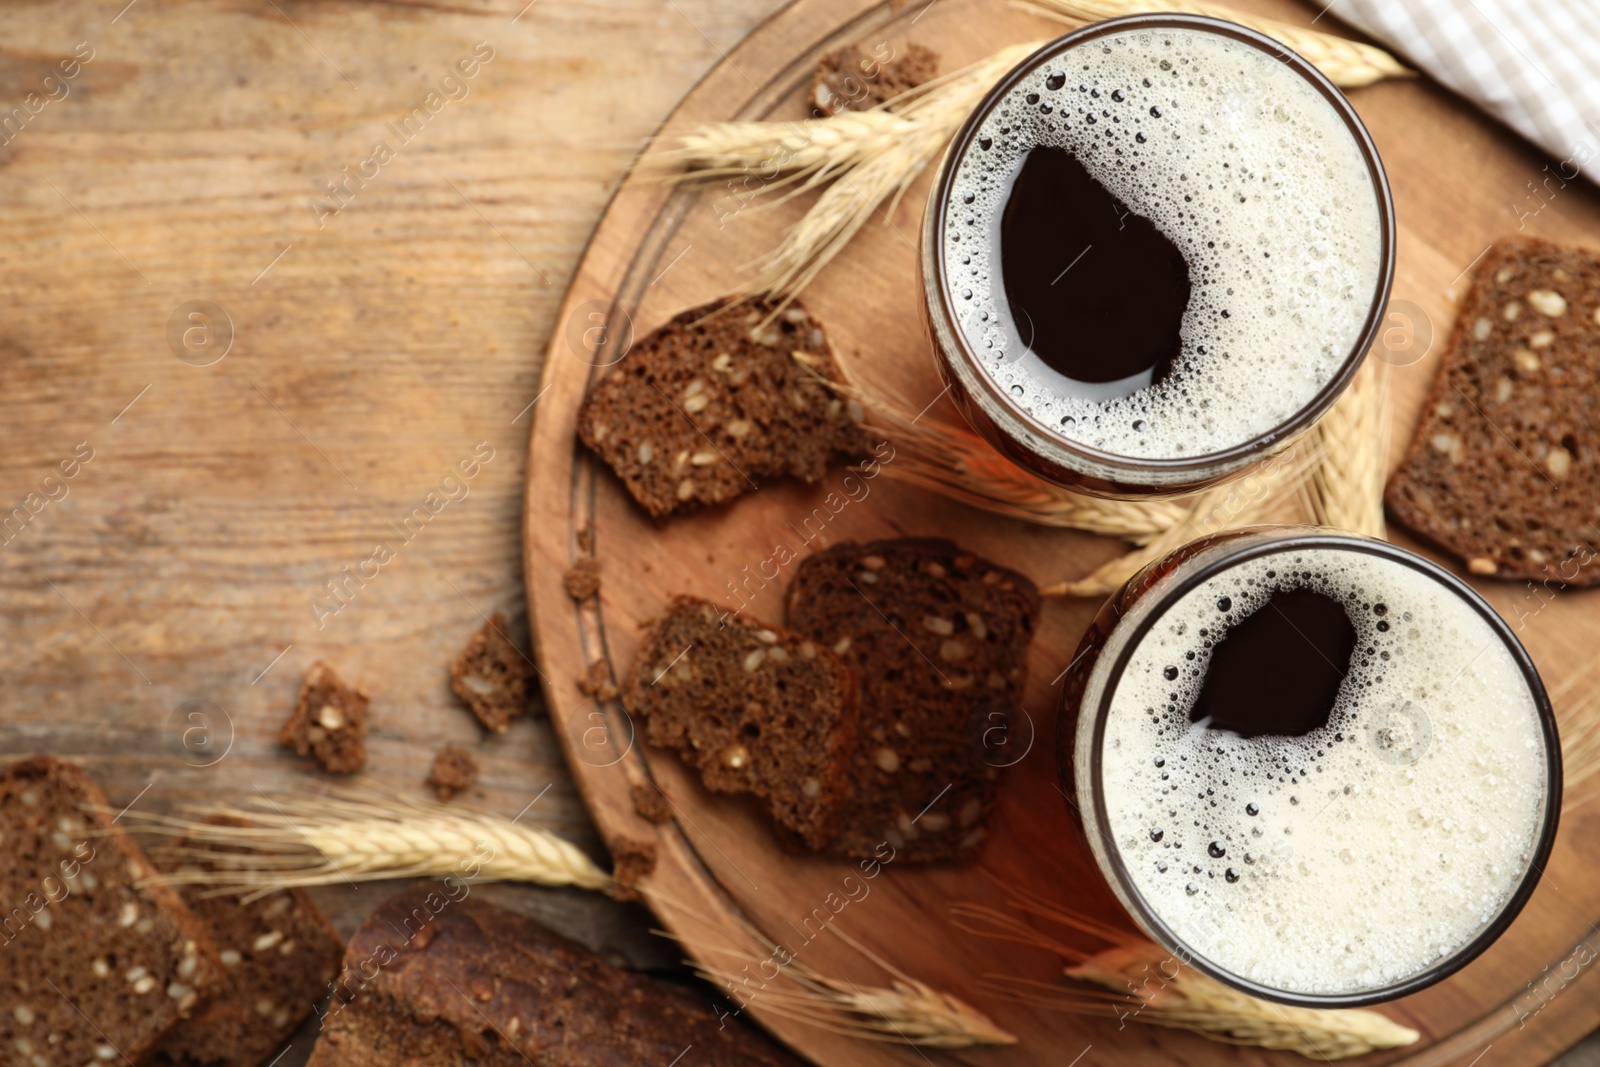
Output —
<point x="279" y="955"/>
<point x="492" y="676"/>
<point x="92" y="969"/>
<point x="854" y="79"/>
<point x="454" y="770"/>
<point x="939" y="638"/>
<point x="753" y="708"/>
<point x="329" y="722"/>
<point x="1504" y="471"/>
<point x="431" y="982"/>
<point x="715" y="402"/>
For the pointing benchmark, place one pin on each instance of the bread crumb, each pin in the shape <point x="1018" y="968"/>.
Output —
<point x="454" y="771"/>
<point x="582" y="580"/>
<point x="651" y="803"/>
<point x="329" y="722"/>
<point x="597" y="683"/>
<point x="853" y="79"/>
<point x="632" y="861"/>
<point x="491" y="676"/>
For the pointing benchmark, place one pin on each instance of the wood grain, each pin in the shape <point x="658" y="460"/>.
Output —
<point x="1457" y="182"/>
<point x="366" y="362"/>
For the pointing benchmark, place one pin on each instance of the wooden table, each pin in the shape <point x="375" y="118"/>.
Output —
<point x="376" y="339"/>
<point x="356" y="340"/>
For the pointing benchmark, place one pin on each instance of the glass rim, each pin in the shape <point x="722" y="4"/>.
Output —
<point x="1294" y="538"/>
<point x="1227" y="460"/>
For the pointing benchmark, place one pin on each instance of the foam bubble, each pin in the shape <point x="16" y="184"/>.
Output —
<point x="1247" y="169"/>
<point x="1363" y="852"/>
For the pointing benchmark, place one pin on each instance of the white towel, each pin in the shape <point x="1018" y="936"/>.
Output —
<point x="1534" y="64"/>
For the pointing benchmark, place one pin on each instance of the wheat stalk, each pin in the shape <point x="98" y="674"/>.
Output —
<point x="860" y="186"/>
<point x="957" y="463"/>
<point x="1138" y="981"/>
<point x="874" y="155"/>
<point x="355" y="836"/>
<point x="1230" y="506"/>
<point x="1192" y="1001"/>
<point x="1348" y="64"/>
<point x="1351" y="445"/>
<point x="774" y="152"/>
<point x="906" y="1011"/>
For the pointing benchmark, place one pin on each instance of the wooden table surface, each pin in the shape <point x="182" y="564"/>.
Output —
<point x="378" y="336"/>
<point x="368" y="319"/>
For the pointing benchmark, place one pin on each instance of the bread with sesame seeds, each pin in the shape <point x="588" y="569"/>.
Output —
<point x="755" y="709"/>
<point x="939" y="640"/>
<point x="279" y="957"/>
<point x="95" y="965"/>
<point x="1503" y="471"/>
<point x="718" y="401"/>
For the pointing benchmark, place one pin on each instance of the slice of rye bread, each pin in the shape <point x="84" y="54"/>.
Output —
<point x="93" y="969"/>
<point x="433" y="981"/>
<point x="280" y="956"/>
<point x="492" y="676"/>
<point x="753" y="708"/>
<point x="939" y="639"/>
<point x="717" y="401"/>
<point x="1504" y="471"/>
<point x="329" y="722"/>
<point x="854" y="79"/>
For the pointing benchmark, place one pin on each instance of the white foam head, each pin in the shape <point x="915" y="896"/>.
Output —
<point x="1248" y="170"/>
<point x="1364" y="852"/>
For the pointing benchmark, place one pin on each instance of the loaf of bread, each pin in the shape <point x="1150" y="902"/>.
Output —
<point x="438" y="977"/>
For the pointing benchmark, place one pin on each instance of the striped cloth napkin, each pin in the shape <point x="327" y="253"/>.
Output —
<point x="1535" y="64"/>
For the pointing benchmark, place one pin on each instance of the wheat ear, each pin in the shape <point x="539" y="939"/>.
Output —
<point x="861" y="186"/>
<point x="1348" y="64"/>
<point x="1192" y="1001"/>
<point x="361" y="835"/>
<point x="1135" y="980"/>
<point x="905" y="1012"/>
<point x="1351" y="446"/>
<point x="1238" y="503"/>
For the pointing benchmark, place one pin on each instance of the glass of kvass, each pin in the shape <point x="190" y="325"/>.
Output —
<point x="1314" y="766"/>
<point x="1155" y="253"/>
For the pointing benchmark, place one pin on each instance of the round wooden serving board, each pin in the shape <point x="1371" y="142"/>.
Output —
<point x="1459" y="181"/>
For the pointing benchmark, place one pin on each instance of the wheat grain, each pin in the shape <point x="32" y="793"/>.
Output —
<point x="363" y="835"/>
<point x="1137" y="981"/>
<point x="1348" y="64"/>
